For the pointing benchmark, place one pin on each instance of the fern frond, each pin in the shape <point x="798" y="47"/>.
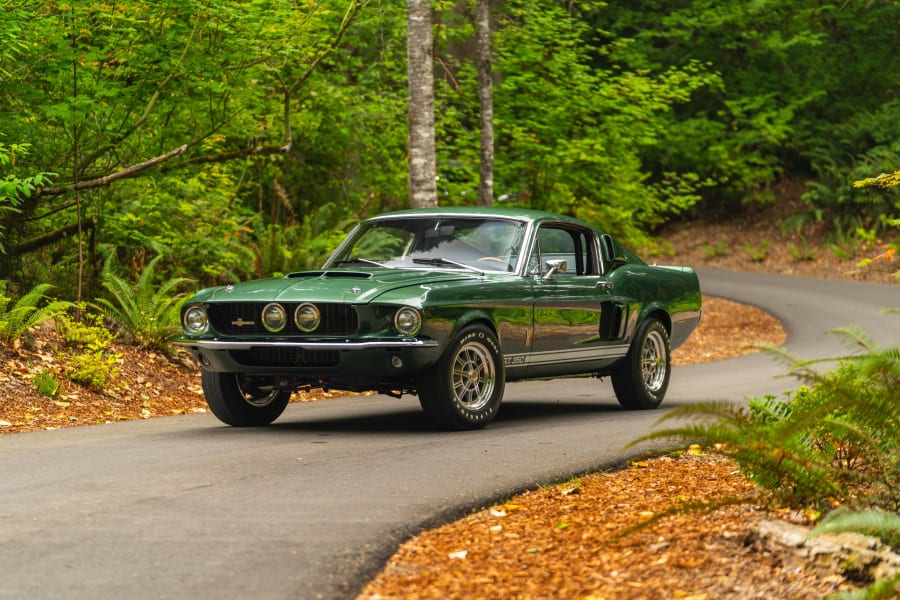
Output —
<point x="876" y="522"/>
<point x="779" y="353"/>
<point x="26" y="312"/>
<point x="149" y="314"/>
<point x="854" y="338"/>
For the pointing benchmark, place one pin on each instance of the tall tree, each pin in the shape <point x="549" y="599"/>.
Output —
<point x="486" y="102"/>
<point x="420" y="71"/>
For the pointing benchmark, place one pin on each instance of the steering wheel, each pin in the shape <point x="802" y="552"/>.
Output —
<point x="502" y="261"/>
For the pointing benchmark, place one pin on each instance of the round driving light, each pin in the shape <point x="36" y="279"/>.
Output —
<point x="408" y="320"/>
<point x="307" y="317"/>
<point x="274" y="317"/>
<point x="195" y="320"/>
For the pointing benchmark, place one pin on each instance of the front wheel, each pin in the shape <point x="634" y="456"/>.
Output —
<point x="641" y="382"/>
<point x="239" y="400"/>
<point x="464" y="389"/>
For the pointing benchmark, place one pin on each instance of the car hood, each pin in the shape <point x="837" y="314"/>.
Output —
<point x="330" y="285"/>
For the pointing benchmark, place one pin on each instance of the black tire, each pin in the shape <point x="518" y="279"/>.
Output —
<point x="464" y="389"/>
<point x="642" y="380"/>
<point x="241" y="401"/>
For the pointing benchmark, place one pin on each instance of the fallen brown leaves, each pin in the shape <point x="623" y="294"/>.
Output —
<point x="728" y="329"/>
<point x="147" y="385"/>
<point x="556" y="543"/>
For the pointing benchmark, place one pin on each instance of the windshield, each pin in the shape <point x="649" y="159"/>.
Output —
<point x="480" y="243"/>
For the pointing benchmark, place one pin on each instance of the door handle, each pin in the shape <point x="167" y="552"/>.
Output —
<point x="604" y="285"/>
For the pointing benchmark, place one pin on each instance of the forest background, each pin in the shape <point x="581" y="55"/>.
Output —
<point x="242" y="139"/>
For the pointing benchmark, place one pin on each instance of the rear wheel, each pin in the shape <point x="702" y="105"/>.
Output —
<point x="641" y="382"/>
<point x="464" y="389"/>
<point x="239" y="400"/>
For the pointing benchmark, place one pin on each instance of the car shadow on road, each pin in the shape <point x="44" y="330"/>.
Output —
<point x="411" y="420"/>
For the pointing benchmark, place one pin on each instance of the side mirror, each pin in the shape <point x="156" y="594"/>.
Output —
<point x="556" y="266"/>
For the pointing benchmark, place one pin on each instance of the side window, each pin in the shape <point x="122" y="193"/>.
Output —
<point x="575" y="246"/>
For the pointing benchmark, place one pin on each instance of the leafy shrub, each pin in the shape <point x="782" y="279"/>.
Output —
<point x="801" y="252"/>
<point x="88" y="332"/>
<point x="759" y="252"/>
<point x="46" y="384"/>
<point x="95" y="368"/>
<point x="26" y="312"/>
<point x="720" y="249"/>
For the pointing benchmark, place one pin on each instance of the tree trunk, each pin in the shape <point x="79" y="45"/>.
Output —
<point x="486" y="100"/>
<point x="420" y="60"/>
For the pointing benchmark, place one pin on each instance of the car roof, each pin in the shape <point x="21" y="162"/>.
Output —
<point x="523" y="214"/>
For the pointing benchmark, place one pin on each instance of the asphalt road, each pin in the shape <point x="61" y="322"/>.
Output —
<point x="312" y="507"/>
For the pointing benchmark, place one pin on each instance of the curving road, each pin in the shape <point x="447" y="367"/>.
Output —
<point x="312" y="506"/>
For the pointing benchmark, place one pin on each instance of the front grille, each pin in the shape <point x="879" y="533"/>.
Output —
<point x="244" y="318"/>
<point x="286" y="357"/>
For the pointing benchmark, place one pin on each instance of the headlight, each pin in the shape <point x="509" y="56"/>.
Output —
<point x="307" y="317"/>
<point x="274" y="317"/>
<point x="408" y="321"/>
<point x="195" y="320"/>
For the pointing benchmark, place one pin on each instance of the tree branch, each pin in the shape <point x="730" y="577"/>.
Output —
<point x="53" y="236"/>
<point x="108" y="179"/>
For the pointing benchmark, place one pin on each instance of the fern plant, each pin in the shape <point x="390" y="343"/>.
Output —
<point x="146" y="312"/>
<point x="834" y="439"/>
<point x="26" y="312"/>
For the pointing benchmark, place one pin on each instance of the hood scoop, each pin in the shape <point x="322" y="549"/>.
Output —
<point x="331" y="274"/>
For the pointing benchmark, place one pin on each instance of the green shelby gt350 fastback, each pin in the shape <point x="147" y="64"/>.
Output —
<point x="448" y="304"/>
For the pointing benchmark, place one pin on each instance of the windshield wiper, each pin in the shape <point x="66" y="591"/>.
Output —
<point x="364" y="261"/>
<point x="445" y="262"/>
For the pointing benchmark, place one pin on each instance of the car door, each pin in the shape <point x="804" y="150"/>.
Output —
<point x="578" y="320"/>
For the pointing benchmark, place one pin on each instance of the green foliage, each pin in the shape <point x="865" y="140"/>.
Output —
<point x="14" y="189"/>
<point x="834" y="439"/>
<point x="572" y="138"/>
<point x="764" y="117"/>
<point x="294" y="118"/>
<point x="295" y="248"/>
<point x="721" y="248"/>
<point x="758" y="252"/>
<point x="46" y="384"/>
<point x="843" y="160"/>
<point x="94" y="368"/>
<point x="195" y="219"/>
<point x="87" y="332"/>
<point x="147" y="313"/>
<point x="889" y="182"/>
<point x="100" y="87"/>
<point x="874" y="522"/>
<point x="801" y="252"/>
<point x="26" y="312"/>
